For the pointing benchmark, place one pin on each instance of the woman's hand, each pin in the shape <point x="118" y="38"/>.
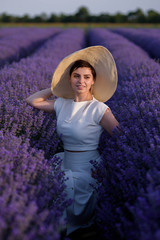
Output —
<point x="40" y="100"/>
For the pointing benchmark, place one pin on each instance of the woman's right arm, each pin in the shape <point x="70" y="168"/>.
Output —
<point x="40" y="100"/>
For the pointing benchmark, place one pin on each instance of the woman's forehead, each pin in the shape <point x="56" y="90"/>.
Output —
<point x="82" y="70"/>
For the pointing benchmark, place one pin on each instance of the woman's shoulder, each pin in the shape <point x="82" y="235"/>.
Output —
<point x="97" y="110"/>
<point x="99" y="104"/>
<point x="60" y="102"/>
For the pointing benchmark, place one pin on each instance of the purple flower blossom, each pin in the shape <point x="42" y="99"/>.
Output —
<point x="19" y="42"/>
<point x="128" y="157"/>
<point x="148" y="39"/>
<point x="32" y="199"/>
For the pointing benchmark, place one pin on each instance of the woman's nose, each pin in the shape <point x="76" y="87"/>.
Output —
<point x="81" y="79"/>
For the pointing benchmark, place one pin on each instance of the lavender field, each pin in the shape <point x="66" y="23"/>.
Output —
<point x="32" y="186"/>
<point x="16" y="43"/>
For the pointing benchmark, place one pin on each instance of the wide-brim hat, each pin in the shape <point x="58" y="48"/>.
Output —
<point x="106" y="73"/>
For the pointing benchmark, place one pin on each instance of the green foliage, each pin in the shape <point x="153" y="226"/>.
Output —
<point x="83" y="15"/>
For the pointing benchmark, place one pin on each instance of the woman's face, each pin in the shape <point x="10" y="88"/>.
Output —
<point x="81" y="80"/>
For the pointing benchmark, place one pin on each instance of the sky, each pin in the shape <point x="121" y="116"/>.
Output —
<point x="36" y="7"/>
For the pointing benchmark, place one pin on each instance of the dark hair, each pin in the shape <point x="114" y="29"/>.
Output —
<point x="80" y="64"/>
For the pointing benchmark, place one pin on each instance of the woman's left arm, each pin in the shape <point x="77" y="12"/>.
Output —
<point x="109" y="122"/>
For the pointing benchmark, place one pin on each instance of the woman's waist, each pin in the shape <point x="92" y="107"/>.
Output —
<point x="75" y="151"/>
<point x="81" y="156"/>
<point x="81" y="147"/>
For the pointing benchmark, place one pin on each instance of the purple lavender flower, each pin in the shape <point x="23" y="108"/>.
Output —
<point x="19" y="42"/>
<point x="148" y="39"/>
<point x="32" y="198"/>
<point x="129" y="156"/>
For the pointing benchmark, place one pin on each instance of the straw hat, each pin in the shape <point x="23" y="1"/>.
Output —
<point x="106" y="73"/>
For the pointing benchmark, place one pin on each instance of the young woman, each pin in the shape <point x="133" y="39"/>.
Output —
<point x="82" y="82"/>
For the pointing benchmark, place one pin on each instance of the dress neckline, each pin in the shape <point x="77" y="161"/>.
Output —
<point x="83" y="101"/>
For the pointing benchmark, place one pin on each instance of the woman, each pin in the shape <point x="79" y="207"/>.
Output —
<point x="83" y="81"/>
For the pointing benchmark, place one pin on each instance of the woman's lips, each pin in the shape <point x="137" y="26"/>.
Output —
<point x="80" y="86"/>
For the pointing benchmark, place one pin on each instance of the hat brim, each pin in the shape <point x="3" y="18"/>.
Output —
<point x="106" y="73"/>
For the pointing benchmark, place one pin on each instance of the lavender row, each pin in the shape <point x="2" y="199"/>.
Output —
<point x="20" y="42"/>
<point x="37" y="185"/>
<point x="148" y="39"/>
<point x="9" y="31"/>
<point x="127" y="193"/>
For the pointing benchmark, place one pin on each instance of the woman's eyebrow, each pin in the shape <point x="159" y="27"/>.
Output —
<point x="88" y="74"/>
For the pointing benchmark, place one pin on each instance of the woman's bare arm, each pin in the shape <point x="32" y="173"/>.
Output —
<point x="109" y="122"/>
<point x="40" y="100"/>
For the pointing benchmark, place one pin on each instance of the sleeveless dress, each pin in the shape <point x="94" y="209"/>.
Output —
<point x="79" y="128"/>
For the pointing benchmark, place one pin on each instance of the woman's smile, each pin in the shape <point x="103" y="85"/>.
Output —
<point x="80" y="86"/>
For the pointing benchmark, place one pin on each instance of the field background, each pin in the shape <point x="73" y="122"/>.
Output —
<point x="32" y="186"/>
<point x="82" y="25"/>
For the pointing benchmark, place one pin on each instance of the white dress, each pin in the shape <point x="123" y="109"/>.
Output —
<point x="78" y="126"/>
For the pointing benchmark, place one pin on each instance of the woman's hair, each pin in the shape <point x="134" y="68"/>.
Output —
<point x="80" y="64"/>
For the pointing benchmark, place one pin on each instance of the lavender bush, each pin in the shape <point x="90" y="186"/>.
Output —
<point x="32" y="184"/>
<point x="19" y="42"/>
<point x="128" y="157"/>
<point x="148" y="39"/>
<point x="31" y="198"/>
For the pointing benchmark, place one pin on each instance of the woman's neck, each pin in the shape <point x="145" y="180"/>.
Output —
<point x="81" y="98"/>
